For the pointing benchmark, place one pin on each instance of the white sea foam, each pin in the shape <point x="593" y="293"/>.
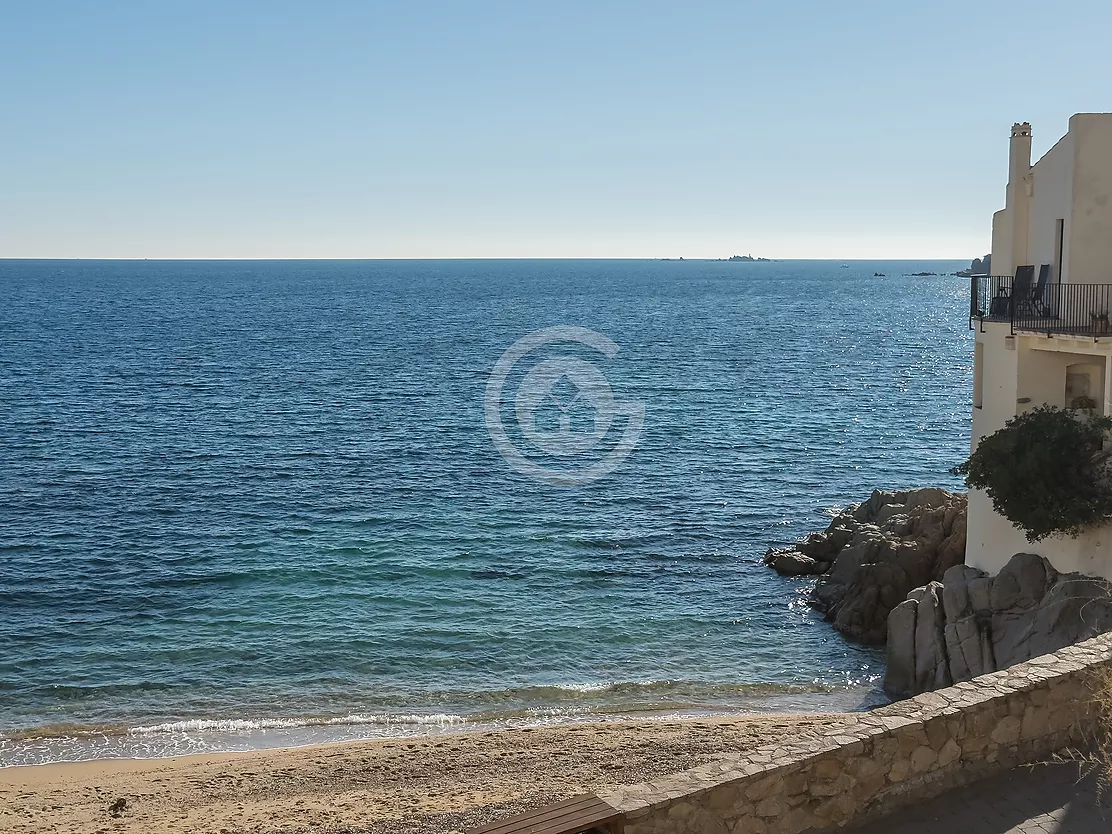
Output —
<point x="232" y="725"/>
<point x="585" y="687"/>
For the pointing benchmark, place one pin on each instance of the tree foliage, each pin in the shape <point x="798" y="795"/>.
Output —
<point x="1044" y="471"/>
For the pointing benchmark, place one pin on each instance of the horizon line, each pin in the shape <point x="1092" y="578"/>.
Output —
<point x="486" y="258"/>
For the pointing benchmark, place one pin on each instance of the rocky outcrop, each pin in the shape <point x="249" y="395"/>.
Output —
<point x="871" y="556"/>
<point x="978" y="267"/>
<point x="971" y="623"/>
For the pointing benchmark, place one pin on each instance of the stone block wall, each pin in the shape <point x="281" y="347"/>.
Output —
<point x="881" y="760"/>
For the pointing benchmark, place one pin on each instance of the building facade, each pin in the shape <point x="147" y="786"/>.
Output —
<point x="1042" y="326"/>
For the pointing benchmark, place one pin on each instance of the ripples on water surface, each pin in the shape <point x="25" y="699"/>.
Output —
<point x="250" y="503"/>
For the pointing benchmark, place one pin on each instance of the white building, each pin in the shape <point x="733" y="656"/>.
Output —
<point x="1043" y="334"/>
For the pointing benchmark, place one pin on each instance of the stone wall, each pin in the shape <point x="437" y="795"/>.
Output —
<point x="880" y="760"/>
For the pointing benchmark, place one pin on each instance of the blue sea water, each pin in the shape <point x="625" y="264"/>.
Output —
<point x="254" y="503"/>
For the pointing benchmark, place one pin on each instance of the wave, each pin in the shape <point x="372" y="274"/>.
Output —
<point x="243" y="724"/>
<point x="518" y="705"/>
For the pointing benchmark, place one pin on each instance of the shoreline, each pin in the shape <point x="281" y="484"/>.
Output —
<point x="416" y="785"/>
<point x="69" y="743"/>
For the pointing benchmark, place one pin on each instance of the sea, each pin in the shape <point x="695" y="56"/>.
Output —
<point x="249" y="504"/>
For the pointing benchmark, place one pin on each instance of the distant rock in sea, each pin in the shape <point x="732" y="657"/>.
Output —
<point x="745" y="258"/>
<point x="980" y="266"/>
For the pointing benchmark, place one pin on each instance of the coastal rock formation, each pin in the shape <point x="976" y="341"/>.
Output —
<point x="978" y="267"/>
<point x="970" y="623"/>
<point x="871" y="556"/>
<point x="891" y="570"/>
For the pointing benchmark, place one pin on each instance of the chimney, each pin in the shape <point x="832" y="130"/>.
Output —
<point x="1019" y="161"/>
<point x="1020" y="187"/>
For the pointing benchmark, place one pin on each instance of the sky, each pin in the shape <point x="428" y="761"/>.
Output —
<point x="431" y="129"/>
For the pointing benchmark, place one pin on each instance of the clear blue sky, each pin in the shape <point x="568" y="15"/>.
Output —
<point x="504" y="129"/>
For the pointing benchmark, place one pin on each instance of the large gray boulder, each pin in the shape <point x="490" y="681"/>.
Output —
<point x="900" y="656"/>
<point x="967" y="633"/>
<point x="932" y="671"/>
<point x="874" y="553"/>
<point x="972" y="623"/>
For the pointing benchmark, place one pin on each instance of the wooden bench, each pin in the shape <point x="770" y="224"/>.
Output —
<point x="584" y="814"/>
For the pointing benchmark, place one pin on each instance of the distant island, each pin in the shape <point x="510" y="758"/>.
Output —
<point x="731" y="259"/>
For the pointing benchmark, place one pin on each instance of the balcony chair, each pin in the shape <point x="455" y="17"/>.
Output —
<point x="1037" y="301"/>
<point x="1022" y="291"/>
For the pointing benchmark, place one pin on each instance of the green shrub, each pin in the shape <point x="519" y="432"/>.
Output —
<point x="1043" y="472"/>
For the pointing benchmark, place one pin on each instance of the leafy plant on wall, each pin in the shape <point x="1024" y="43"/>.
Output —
<point x="1045" y="471"/>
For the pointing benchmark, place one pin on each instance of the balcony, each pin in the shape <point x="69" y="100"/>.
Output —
<point x="1052" y="309"/>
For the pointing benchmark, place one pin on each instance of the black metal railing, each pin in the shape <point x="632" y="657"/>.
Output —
<point x="1066" y="309"/>
<point x="991" y="298"/>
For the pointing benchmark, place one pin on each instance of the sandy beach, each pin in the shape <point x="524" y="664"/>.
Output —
<point x="409" y="786"/>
